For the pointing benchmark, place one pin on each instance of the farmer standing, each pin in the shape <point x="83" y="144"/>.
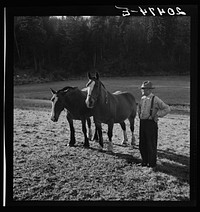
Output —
<point x="150" y="109"/>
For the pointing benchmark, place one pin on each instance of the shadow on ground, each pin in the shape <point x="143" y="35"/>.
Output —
<point x="171" y="163"/>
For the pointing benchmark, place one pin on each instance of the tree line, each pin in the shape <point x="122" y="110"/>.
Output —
<point x="112" y="45"/>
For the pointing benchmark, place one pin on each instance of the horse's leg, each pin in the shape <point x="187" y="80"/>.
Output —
<point x="72" y="131"/>
<point x="132" y="123"/>
<point x="99" y="130"/>
<point x="110" y="134"/>
<point x="89" y="128"/>
<point x="86" y="143"/>
<point x="95" y="138"/>
<point x="123" y="126"/>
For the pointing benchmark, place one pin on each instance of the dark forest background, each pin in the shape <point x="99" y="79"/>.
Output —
<point x="112" y="45"/>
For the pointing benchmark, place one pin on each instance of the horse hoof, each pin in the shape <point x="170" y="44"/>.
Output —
<point x="133" y="141"/>
<point x="110" y="147"/>
<point x="132" y="144"/>
<point x="71" y="145"/>
<point x="124" y="144"/>
<point x="86" y="146"/>
<point x="110" y="152"/>
<point x="100" y="148"/>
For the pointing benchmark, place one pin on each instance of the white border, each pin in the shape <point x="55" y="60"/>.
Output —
<point x="4" y="148"/>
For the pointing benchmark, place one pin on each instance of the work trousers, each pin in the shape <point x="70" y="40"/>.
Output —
<point x="148" y="136"/>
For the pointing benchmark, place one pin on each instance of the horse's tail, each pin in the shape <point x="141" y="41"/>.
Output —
<point x="132" y="118"/>
<point x="133" y="104"/>
<point x="134" y="111"/>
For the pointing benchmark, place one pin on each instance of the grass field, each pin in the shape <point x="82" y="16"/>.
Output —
<point x="173" y="90"/>
<point x="46" y="169"/>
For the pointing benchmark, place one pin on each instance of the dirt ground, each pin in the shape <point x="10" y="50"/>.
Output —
<point x="45" y="168"/>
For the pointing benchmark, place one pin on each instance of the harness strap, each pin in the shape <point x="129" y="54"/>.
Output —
<point x="106" y="97"/>
<point x="106" y="92"/>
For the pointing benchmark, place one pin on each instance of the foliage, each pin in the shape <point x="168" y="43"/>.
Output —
<point x="110" y="44"/>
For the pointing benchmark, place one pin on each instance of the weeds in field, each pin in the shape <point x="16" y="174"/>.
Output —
<point x="46" y="169"/>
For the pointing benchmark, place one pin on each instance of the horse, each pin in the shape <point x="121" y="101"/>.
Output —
<point x="73" y="100"/>
<point x="110" y="108"/>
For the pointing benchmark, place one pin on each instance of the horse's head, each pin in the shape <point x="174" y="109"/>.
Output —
<point x="57" y="105"/>
<point x="93" y="90"/>
<point x="58" y="102"/>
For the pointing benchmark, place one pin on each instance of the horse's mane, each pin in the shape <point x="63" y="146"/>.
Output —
<point x="102" y="84"/>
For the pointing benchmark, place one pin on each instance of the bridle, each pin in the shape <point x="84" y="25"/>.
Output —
<point x="95" y="98"/>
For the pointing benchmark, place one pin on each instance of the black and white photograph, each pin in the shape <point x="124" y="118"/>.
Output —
<point x="99" y="104"/>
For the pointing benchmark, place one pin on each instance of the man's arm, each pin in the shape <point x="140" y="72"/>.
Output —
<point x="163" y="109"/>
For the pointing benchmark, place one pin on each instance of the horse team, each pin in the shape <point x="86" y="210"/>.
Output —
<point x="97" y="102"/>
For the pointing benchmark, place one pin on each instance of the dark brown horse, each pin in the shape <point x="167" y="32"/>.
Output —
<point x="72" y="99"/>
<point x="110" y="108"/>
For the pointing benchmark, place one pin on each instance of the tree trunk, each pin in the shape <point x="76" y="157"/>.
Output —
<point x="94" y="59"/>
<point x="17" y="48"/>
<point x="35" y="62"/>
<point x="101" y="53"/>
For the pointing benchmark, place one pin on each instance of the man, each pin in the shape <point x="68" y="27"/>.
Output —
<point x="150" y="109"/>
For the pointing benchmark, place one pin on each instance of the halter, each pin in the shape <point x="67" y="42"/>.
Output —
<point x="97" y="97"/>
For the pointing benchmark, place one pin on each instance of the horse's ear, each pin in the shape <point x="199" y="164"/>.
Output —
<point x="84" y="89"/>
<point x="97" y="75"/>
<point x="65" y="91"/>
<point x="68" y="88"/>
<point x="89" y="75"/>
<point x="52" y="91"/>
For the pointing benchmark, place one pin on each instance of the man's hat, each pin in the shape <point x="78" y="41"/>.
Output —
<point x="147" y="85"/>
